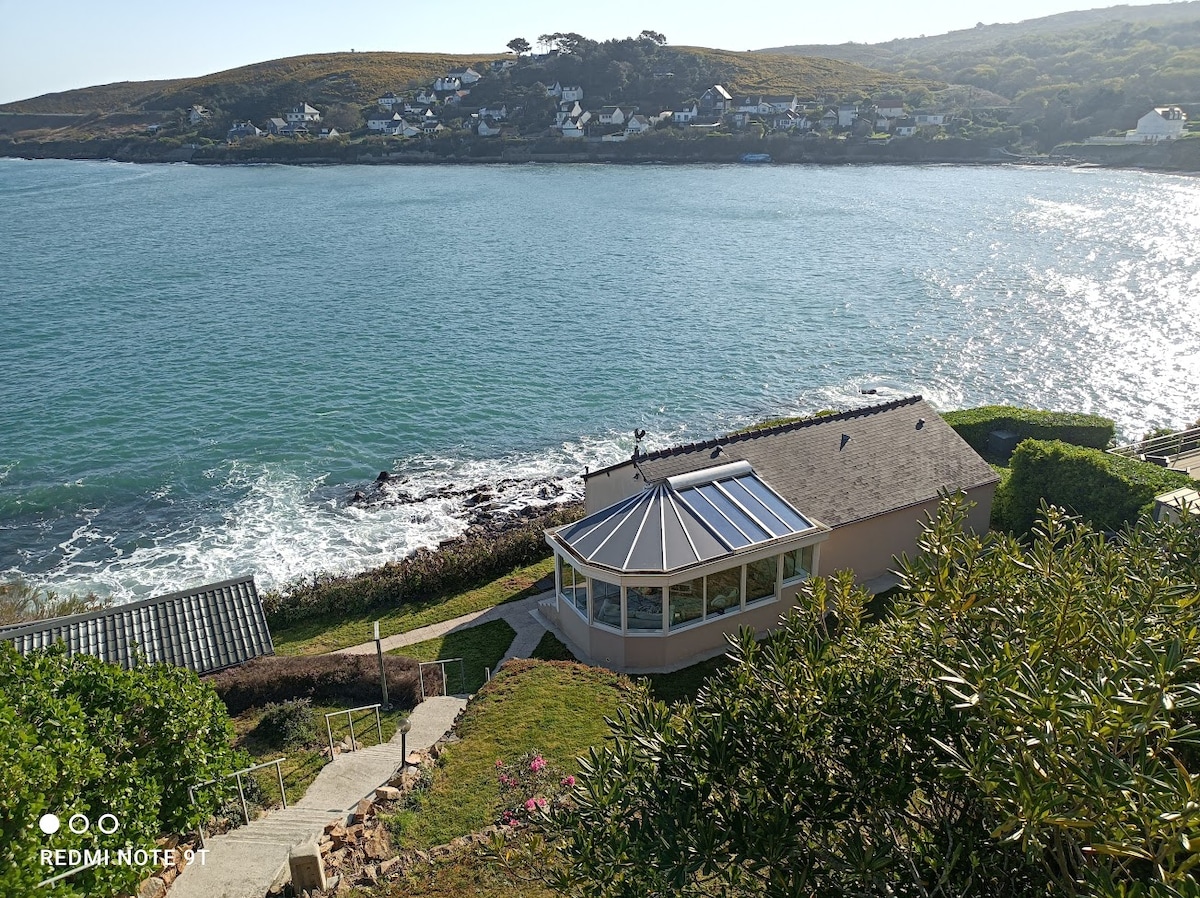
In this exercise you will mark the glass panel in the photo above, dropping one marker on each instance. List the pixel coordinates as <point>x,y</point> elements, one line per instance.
<point>574,585</point>
<point>725,591</point>
<point>765,515</point>
<point>760,579</point>
<point>606,603</point>
<point>687,602</point>
<point>761,492</point>
<point>644,607</point>
<point>797,564</point>
<point>729,508</point>
<point>710,516</point>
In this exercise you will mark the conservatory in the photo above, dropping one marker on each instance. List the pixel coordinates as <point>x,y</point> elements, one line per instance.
<point>661,576</point>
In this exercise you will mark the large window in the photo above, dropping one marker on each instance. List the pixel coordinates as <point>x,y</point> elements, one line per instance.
<point>687,602</point>
<point>760,579</point>
<point>725,591</point>
<point>644,607</point>
<point>606,603</point>
<point>574,585</point>
<point>797,564</point>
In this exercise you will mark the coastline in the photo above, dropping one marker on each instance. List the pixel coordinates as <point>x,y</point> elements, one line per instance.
<point>1181,159</point>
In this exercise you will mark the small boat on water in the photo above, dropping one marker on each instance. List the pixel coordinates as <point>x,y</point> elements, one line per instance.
<point>751,158</point>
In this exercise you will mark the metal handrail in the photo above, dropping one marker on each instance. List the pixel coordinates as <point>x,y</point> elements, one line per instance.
<point>237,774</point>
<point>1155,445</point>
<point>349,716</point>
<point>421,665</point>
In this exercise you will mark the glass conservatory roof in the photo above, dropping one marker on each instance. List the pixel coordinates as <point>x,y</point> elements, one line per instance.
<point>685,520</point>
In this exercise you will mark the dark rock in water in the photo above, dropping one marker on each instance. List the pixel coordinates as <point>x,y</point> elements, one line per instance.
<point>483,495</point>
<point>384,477</point>
<point>359,496</point>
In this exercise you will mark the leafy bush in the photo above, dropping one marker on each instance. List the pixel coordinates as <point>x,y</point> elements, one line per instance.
<point>460,564</point>
<point>81,736</point>
<point>974,425</point>
<point>288,724</point>
<point>349,680</point>
<point>1108,491</point>
<point>1026,723</point>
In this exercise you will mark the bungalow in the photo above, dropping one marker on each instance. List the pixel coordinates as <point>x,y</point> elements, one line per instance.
<point>681,546</point>
<point>431,126</point>
<point>789,121</point>
<point>782,102</point>
<point>465,75</point>
<point>752,106</point>
<point>571,94</point>
<point>686,115</point>
<point>1160,123</point>
<point>294,129</point>
<point>930,118</point>
<point>499,113</point>
<point>613,115</point>
<point>243,129</point>
<point>637,124</point>
<point>303,113</point>
<point>889,107</point>
<point>382,121</point>
<point>425,97</point>
<point>388,100</point>
<point>327,133</point>
<point>715,101</point>
<point>905,127</point>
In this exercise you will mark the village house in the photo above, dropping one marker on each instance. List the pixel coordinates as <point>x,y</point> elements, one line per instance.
<point>500,65</point>
<point>686,115</point>
<point>575,128</point>
<point>687,544</point>
<point>571,94</point>
<point>389,100</point>
<point>715,101</point>
<point>327,133</point>
<point>465,75</point>
<point>425,97</point>
<point>829,120</point>
<point>447,83</point>
<point>499,113</point>
<point>303,113</point>
<point>455,98</point>
<point>782,102</point>
<point>904,127</point>
<point>1160,123</point>
<point>889,108</point>
<point>382,121</point>
<point>930,118</point>
<point>637,124</point>
<point>276,126</point>
<point>613,115</point>
<point>554,90</point>
<point>489,127</point>
<point>198,114</point>
<point>847,115</point>
<point>243,129</point>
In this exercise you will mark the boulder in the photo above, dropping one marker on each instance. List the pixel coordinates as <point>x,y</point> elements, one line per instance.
<point>387,793</point>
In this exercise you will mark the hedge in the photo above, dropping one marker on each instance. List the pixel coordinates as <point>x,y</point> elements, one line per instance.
<point>1108,491</point>
<point>464,563</point>
<point>974,425</point>
<point>349,680</point>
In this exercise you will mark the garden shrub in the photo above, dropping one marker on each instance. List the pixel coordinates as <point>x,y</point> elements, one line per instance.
<point>1108,491</point>
<point>288,724</point>
<point>974,425</point>
<point>463,563</point>
<point>79,735</point>
<point>349,680</point>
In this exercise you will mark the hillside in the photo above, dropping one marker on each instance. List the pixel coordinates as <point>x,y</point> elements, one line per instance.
<point>356,79</point>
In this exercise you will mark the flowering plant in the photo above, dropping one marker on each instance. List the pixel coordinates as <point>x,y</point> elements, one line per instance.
<point>528,787</point>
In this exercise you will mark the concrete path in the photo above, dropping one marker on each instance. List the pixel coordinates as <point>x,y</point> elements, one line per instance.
<point>247,861</point>
<point>519,615</point>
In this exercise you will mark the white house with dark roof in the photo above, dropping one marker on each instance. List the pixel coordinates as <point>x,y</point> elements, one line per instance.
<point>447,82</point>
<point>571,93</point>
<point>690,543</point>
<point>488,127</point>
<point>499,113</point>
<point>637,124</point>
<point>715,101</point>
<point>612,115</point>
<point>466,75</point>
<point>382,121</point>
<point>243,129</point>
<point>686,115</point>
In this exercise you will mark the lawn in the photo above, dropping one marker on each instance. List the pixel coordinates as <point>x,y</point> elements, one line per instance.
<point>479,647</point>
<point>462,875</point>
<point>557,708</point>
<point>316,636</point>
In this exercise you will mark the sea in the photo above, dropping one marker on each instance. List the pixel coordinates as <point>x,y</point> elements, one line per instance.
<point>199,366</point>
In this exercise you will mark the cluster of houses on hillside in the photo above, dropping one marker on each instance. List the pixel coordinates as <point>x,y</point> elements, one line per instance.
<point>302,121</point>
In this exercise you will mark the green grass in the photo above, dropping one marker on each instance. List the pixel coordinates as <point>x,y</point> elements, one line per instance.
<point>557,708</point>
<point>305,762</point>
<point>682,685</point>
<point>464,874</point>
<point>479,647</point>
<point>317,636</point>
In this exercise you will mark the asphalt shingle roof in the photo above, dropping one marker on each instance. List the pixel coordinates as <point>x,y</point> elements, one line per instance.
<point>840,468</point>
<point>205,629</point>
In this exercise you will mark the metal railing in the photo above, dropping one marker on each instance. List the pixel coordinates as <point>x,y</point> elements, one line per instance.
<point>349,712</point>
<point>237,774</point>
<point>1170,444</point>
<point>462,675</point>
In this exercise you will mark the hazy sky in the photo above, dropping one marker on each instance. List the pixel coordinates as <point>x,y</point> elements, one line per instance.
<point>53,45</point>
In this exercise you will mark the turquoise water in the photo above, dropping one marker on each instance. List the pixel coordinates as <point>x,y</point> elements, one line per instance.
<point>200,364</point>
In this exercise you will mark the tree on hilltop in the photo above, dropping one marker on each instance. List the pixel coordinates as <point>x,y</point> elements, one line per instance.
<point>657,36</point>
<point>519,45</point>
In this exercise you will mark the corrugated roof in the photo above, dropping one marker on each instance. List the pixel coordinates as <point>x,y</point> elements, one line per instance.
<point>205,629</point>
<point>683,521</point>
<point>840,468</point>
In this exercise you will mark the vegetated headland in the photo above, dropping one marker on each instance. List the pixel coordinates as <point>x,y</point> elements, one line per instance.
<point>1109,87</point>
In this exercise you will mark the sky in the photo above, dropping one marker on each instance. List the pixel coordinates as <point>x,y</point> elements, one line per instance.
<point>55,45</point>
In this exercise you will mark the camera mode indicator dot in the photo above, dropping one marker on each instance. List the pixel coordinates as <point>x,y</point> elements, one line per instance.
<point>49,824</point>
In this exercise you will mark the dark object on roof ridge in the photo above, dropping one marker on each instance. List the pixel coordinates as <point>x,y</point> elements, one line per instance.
<point>205,629</point>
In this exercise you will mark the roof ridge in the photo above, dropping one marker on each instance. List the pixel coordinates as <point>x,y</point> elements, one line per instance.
<point>810,421</point>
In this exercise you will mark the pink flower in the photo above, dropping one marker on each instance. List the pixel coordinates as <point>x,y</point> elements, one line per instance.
<point>568,781</point>
<point>530,805</point>
<point>537,764</point>
<point>541,802</point>
<point>499,763</point>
